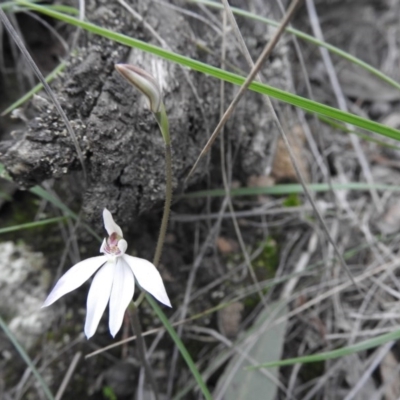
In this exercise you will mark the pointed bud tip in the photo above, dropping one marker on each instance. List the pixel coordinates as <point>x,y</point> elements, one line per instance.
<point>120,68</point>
<point>143,81</point>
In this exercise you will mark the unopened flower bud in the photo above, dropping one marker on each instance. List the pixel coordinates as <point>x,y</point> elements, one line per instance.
<point>144,82</point>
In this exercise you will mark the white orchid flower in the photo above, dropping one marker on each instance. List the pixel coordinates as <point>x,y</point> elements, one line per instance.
<point>113,283</point>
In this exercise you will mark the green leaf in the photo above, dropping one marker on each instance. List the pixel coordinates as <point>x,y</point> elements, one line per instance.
<point>307,38</point>
<point>345,351</point>
<point>31,225</point>
<point>39,191</point>
<point>44,194</point>
<point>27,359</point>
<point>259,343</point>
<point>343,128</point>
<point>108,393</point>
<point>298,101</point>
<point>289,189</point>
<point>34,90</point>
<point>179,344</point>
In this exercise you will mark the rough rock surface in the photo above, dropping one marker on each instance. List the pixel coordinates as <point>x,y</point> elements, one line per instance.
<point>119,139</point>
<point>23,285</point>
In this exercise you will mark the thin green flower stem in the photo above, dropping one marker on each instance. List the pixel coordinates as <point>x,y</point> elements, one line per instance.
<point>167,205</point>
<point>141,346</point>
<point>163,123</point>
<point>27,359</point>
<point>162,120</point>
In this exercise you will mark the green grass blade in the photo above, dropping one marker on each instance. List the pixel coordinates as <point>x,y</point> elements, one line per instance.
<point>27,359</point>
<point>11,4</point>
<point>7,5</point>
<point>39,191</point>
<point>345,351</point>
<point>289,189</point>
<point>64,9</point>
<point>298,101</point>
<point>178,342</point>
<point>44,194</point>
<point>340,126</point>
<point>31,225</point>
<point>34,90</point>
<point>308,38</point>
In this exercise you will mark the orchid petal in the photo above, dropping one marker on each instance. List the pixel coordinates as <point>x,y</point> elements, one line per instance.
<point>121,295</point>
<point>110,225</point>
<point>74,278</point>
<point>103,245</point>
<point>98,297</point>
<point>122,246</point>
<point>148,278</point>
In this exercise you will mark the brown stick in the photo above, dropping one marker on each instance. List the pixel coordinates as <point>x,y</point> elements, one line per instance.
<point>265,54</point>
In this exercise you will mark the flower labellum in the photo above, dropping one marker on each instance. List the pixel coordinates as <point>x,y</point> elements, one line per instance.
<point>114,282</point>
<point>144,82</point>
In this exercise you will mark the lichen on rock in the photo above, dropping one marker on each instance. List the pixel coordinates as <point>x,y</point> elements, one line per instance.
<point>23,286</point>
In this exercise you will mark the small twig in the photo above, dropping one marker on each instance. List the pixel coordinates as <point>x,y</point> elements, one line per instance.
<point>266,52</point>
<point>68,375</point>
<point>25,63</point>
<point>355,141</point>
<point>243,352</point>
<point>380,354</point>
<point>301,265</point>
<point>79,30</point>
<point>26,358</point>
<point>307,192</point>
<point>141,346</point>
<point>224,166</point>
<point>338,288</point>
